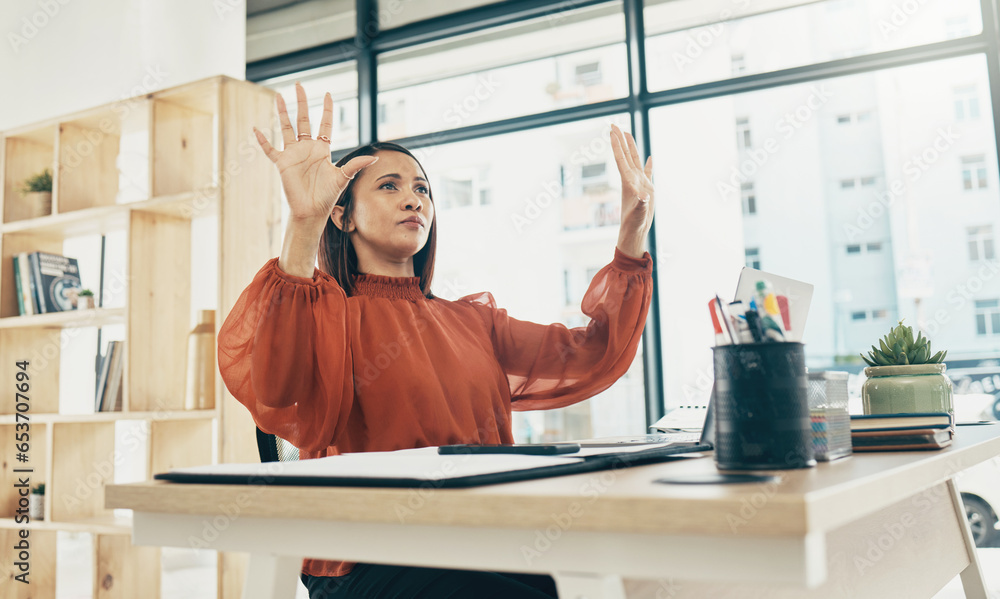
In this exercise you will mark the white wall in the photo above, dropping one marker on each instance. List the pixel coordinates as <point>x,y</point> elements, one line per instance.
<point>60,56</point>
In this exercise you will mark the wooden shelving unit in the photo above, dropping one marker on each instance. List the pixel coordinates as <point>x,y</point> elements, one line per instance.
<point>147,167</point>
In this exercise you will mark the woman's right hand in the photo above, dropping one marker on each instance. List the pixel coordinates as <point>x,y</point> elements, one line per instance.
<point>311,181</point>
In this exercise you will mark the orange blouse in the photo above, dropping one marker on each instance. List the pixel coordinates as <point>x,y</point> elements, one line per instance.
<point>388,368</point>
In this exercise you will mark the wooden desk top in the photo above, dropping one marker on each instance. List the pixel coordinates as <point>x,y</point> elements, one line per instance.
<point>808,500</point>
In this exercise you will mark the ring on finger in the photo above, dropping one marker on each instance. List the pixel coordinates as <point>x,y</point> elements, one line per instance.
<point>302,136</point>
<point>324,138</point>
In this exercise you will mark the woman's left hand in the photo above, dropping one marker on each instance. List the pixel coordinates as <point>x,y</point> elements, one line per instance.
<point>637,193</point>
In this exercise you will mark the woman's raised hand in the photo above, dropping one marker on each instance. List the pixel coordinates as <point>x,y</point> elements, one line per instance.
<point>311,181</point>
<point>637,193</point>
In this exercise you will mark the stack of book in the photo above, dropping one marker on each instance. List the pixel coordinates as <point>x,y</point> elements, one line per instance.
<point>900,432</point>
<point>109,378</point>
<point>44,282</point>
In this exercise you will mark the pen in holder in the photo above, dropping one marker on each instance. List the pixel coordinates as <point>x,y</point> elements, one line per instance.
<point>762,407</point>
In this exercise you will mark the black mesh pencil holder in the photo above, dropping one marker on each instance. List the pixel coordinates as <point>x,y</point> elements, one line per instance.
<point>762,407</point>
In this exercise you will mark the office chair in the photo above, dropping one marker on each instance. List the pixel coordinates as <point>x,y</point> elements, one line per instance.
<point>275,449</point>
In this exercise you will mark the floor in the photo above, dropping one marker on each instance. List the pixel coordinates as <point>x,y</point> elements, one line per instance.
<point>190,574</point>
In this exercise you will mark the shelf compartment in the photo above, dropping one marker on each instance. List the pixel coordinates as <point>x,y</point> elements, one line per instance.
<point>13,245</point>
<point>38,454</point>
<point>41,348</point>
<point>88,151</point>
<point>42,562</point>
<point>86,464</point>
<point>125,570</point>
<point>179,444</point>
<point>160,299</point>
<point>25,154</point>
<point>184,142</point>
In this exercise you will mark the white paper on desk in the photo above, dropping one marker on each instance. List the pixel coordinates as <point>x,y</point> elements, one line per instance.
<point>421,464</point>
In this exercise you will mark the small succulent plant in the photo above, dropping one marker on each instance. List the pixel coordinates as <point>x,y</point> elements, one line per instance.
<point>900,348</point>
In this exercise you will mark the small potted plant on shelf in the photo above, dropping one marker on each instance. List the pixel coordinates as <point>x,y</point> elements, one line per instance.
<point>905,376</point>
<point>37,193</point>
<point>84,299</point>
<point>36,502</point>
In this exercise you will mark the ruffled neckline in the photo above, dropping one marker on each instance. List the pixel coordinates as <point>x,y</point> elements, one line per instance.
<point>405,288</point>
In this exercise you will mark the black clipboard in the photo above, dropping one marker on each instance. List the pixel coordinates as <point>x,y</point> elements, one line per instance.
<point>607,461</point>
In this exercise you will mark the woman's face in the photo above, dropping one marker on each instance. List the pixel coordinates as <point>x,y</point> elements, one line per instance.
<point>393,211</point>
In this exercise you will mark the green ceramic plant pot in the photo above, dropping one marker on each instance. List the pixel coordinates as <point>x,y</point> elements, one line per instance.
<point>907,389</point>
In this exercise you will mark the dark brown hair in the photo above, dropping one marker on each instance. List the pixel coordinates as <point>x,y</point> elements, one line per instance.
<point>336,252</point>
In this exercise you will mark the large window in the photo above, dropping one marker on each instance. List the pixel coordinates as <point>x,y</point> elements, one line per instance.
<point>864,127</point>
<point>903,224</point>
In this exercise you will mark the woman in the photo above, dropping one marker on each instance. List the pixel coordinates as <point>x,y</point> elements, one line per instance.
<point>358,355</point>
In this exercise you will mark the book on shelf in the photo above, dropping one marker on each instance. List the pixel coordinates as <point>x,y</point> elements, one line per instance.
<point>915,420</point>
<point>45,282</point>
<point>901,439</point>
<point>27,299</point>
<point>55,277</point>
<point>109,378</point>
<point>18,286</point>
<point>104,363</point>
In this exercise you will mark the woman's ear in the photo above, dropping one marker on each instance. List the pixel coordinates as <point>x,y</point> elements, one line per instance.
<point>337,216</point>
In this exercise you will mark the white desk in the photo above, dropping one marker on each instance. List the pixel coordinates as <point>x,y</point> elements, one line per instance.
<point>873,525</point>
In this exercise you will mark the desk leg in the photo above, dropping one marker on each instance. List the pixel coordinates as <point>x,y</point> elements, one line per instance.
<point>272,576</point>
<point>575,585</point>
<point>972,575</point>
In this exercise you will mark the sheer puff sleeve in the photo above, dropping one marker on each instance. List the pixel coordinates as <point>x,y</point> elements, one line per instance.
<point>284,354</point>
<point>551,366</point>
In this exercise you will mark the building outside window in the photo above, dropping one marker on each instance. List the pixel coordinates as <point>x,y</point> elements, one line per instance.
<point>743,133</point>
<point>988,317</point>
<point>455,193</point>
<point>739,64</point>
<point>973,172</point>
<point>981,243</point>
<point>749,197</point>
<point>588,73</point>
<point>753,258</point>
<point>966,103</point>
<point>594,177</point>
